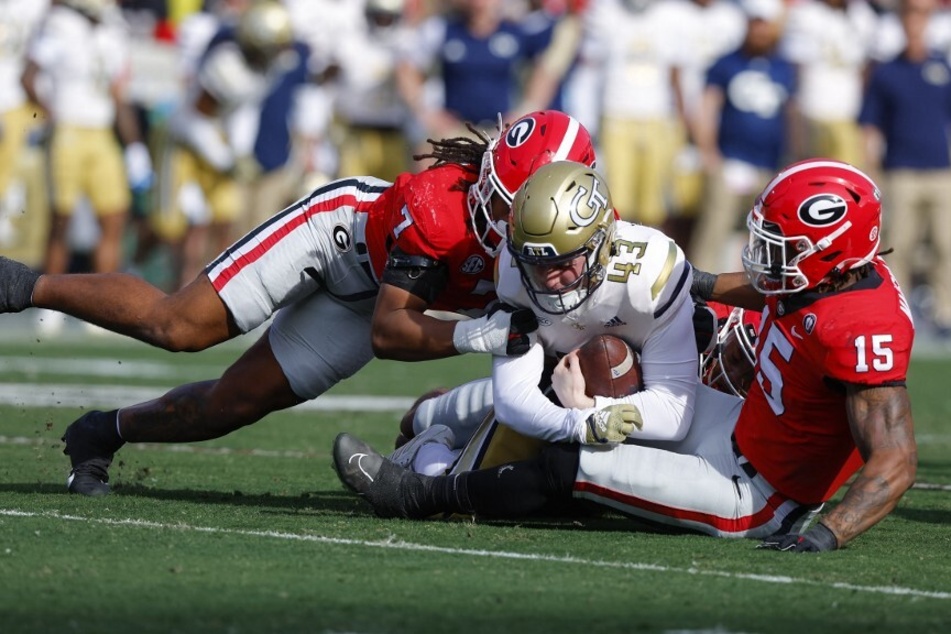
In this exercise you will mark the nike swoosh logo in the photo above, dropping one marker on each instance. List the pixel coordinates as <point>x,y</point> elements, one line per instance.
<point>360,457</point>
<point>795,334</point>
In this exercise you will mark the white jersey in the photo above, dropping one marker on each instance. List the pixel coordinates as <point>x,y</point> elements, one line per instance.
<point>238,89</point>
<point>637,50</point>
<point>82,61</point>
<point>645,300</point>
<point>227,76</point>
<point>325,26</point>
<point>366,89</point>
<point>194,34</point>
<point>18,18</point>
<point>831,46</point>
<point>713,30</point>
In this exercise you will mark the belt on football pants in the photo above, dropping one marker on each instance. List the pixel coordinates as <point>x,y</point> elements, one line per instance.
<point>741,460</point>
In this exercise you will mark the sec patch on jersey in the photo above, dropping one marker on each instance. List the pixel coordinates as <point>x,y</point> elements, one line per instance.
<point>610,367</point>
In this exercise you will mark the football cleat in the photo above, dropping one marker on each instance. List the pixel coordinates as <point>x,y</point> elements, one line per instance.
<point>381,482</point>
<point>89,453</point>
<point>356,463</point>
<point>405,455</point>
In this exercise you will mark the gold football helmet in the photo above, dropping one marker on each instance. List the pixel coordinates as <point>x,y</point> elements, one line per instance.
<point>264,30</point>
<point>561,233</point>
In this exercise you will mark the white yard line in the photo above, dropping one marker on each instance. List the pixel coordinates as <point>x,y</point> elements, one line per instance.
<point>118,368</point>
<point>51,395</point>
<point>465,552</point>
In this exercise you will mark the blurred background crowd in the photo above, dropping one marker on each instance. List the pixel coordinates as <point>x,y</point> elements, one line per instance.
<point>147,135</point>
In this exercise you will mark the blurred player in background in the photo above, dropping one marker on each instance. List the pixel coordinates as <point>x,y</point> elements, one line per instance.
<point>77,73</point>
<point>213,132</point>
<point>19,19</point>
<point>829,395</point>
<point>465,66</point>
<point>372,116</point>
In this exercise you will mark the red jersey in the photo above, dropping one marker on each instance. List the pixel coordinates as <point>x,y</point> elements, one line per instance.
<point>794,427</point>
<point>722,311</point>
<point>426,214</point>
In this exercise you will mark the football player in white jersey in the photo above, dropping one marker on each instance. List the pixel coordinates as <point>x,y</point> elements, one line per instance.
<point>457,430</point>
<point>584,273</point>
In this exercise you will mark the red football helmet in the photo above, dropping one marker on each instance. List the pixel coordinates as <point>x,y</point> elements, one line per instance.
<point>816,218</point>
<point>534,140</point>
<point>729,368</point>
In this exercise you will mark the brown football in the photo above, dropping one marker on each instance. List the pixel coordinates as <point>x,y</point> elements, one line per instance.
<point>610,367</point>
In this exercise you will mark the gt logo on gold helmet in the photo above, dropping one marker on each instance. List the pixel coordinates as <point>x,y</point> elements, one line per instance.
<point>562,217</point>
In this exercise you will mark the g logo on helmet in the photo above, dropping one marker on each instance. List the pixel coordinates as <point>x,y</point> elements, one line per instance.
<point>822,210</point>
<point>520,132</point>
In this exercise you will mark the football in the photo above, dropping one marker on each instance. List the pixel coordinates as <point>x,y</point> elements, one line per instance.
<point>610,367</point>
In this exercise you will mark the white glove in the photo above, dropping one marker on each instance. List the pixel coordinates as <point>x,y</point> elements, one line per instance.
<point>138,166</point>
<point>611,425</point>
<point>505,331</point>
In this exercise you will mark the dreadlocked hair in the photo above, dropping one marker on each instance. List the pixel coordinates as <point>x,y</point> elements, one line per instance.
<point>464,151</point>
<point>837,279</point>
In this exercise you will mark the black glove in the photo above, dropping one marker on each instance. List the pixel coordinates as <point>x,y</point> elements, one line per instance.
<point>705,327</point>
<point>522,329</point>
<point>16,285</point>
<point>817,539</point>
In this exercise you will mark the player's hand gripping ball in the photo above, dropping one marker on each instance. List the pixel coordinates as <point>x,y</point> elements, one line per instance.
<point>610,367</point>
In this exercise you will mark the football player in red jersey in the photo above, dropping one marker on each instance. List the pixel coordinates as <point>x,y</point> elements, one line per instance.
<point>347,271</point>
<point>828,399</point>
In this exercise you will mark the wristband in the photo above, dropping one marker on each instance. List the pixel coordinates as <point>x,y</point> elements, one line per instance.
<point>702,285</point>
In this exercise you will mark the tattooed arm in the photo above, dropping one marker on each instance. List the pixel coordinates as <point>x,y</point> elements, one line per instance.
<point>881,422</point>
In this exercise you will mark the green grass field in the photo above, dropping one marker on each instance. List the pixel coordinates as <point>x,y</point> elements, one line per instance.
<point>253,532</point>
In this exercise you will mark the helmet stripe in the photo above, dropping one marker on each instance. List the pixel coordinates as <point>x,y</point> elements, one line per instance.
<point>568,140</point>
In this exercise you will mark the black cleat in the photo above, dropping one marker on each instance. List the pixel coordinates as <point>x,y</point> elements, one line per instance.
<point>90,452</point>
<point>387,487</point>
<point>356,463</point>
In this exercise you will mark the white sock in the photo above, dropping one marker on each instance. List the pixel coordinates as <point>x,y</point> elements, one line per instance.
<point>434,459</point>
